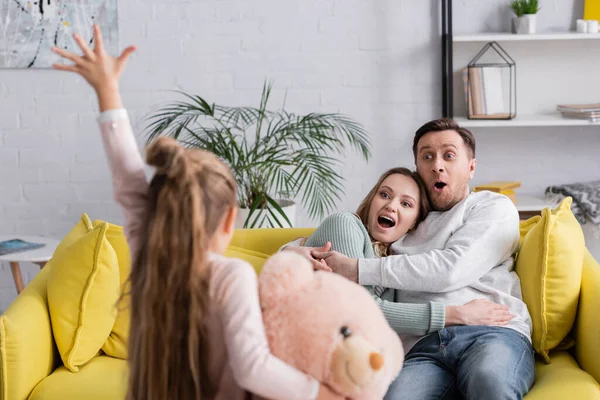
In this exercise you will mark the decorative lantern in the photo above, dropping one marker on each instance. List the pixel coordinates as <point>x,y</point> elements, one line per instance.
<point>491,85</point>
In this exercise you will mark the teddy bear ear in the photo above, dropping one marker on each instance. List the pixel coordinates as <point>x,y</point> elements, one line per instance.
<point>283,275</point>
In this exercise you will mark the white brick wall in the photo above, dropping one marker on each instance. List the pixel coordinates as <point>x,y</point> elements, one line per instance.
<point>375,60</point>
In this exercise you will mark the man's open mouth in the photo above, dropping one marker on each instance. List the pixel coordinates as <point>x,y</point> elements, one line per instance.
<point>439,185</point>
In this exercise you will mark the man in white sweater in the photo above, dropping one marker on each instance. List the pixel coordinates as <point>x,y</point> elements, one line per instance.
<point>461,252</point>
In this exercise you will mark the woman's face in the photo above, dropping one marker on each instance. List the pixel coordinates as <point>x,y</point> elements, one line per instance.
<point>394,209</point>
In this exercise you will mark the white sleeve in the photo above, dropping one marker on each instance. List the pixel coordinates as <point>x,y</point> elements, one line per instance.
<point>488,237</point>
<point>118,114</point>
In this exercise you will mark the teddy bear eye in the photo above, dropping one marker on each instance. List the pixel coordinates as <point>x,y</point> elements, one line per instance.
<point>346,332</point>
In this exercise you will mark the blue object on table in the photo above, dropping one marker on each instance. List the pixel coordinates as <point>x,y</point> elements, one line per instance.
<point>17,245</point>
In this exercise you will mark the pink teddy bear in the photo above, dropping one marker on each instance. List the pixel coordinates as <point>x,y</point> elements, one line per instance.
<point>328,327</point>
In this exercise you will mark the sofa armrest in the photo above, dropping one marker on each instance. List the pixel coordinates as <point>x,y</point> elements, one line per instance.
<point>588,319</point>
<point>27,350</point>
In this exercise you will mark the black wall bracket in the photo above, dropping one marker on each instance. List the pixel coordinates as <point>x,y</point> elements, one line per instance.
<point>447,62</point>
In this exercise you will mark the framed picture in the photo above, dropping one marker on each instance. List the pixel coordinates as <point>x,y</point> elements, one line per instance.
<point>30,28</point>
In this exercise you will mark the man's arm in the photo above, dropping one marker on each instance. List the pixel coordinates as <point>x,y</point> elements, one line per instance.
<point>489,236</point>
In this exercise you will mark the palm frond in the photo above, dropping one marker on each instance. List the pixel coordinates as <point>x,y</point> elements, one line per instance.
<point>269,152</point>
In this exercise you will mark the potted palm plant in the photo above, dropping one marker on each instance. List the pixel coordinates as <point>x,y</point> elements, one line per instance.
<point>526,15</point>
<point>275,156</point>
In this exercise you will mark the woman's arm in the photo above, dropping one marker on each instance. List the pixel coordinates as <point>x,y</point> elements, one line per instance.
<point>348,236</point>
<point>413,319</point>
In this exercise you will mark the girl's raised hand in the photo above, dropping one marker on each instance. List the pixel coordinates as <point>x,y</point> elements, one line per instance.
<point>99,69</point>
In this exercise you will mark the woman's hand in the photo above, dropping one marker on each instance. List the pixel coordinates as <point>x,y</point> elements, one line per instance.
<point>339,263</point>
<point>99,69</point>
<point>478,312</point>
<point>306,252</point>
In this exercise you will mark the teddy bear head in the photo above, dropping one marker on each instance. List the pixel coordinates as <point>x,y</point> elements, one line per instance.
<point>328,327</point>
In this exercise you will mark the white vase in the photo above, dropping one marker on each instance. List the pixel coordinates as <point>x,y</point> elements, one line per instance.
<point>288,207</point>
<point>525,25</point>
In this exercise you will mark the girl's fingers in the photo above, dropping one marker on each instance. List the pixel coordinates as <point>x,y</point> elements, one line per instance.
<point>84,47</point>
<point>62,67</point>
<point>99,48</point>
<point>126,53</point>
<point>68,55</point>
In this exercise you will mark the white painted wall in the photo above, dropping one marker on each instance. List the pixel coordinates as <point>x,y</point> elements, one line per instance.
<point>375,60</point>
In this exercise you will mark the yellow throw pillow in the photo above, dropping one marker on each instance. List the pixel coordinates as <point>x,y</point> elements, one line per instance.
<point>83,287</point>
<point>550,264</point>
<point>525,227</point>
<point>255,258</point>
<point>116,344</point>
<point>81,228</point>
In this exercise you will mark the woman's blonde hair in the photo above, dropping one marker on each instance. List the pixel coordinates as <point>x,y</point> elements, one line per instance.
<point>189,196</point>
<point>362,211</point>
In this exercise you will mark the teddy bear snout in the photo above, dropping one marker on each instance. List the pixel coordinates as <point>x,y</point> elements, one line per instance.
<point>376,361</point>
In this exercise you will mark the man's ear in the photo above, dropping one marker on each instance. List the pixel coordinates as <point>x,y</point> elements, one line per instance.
<point>472,165</point>
<point>229,223</point>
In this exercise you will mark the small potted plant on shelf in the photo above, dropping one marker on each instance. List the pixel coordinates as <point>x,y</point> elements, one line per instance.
<point>274,155</point>
<point>526,13</point>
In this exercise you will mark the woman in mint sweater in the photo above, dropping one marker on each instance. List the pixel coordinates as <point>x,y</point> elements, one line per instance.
<point>393,207</point>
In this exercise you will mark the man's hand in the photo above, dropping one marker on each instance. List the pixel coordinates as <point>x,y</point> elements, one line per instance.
<point>339,263</point>
<point>306,252</point>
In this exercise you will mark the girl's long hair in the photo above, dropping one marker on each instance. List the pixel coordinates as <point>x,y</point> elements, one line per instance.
<point>381,249</point>
<point>189,196</point>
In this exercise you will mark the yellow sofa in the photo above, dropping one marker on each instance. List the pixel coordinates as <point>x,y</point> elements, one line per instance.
<point>30,367</point>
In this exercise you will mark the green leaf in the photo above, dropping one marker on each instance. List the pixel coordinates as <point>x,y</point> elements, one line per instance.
<point>277,208</point>
<point>270,152</point>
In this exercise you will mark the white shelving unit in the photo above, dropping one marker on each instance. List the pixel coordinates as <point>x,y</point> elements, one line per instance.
<point>548,117</point>
<point>511,37</point>
<point>549,72</point>
<point>524,121</point>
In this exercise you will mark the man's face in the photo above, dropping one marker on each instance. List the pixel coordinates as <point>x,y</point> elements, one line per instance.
<point>446,165</point>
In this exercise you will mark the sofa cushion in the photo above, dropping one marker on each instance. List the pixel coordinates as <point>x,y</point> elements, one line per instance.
<point>116,344</point>
<point>267,240</point>
<point>102,378</point>
<point>255,258</point>
<point>27,351</point>
<point>587,326</point>
<point>563,379</point>
<point>83,226</point>
<point>550,264</point>
<point>83,289</point>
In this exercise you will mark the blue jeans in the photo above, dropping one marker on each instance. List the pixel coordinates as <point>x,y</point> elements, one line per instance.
<point>470,362</point>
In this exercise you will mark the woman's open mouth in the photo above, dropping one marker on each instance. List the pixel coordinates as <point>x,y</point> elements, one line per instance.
<point>386,222</point>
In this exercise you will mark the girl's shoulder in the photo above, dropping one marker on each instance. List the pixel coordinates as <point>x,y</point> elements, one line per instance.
<point>225,268</point>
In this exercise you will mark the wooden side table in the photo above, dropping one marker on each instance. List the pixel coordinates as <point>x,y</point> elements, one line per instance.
<point>37,256</point>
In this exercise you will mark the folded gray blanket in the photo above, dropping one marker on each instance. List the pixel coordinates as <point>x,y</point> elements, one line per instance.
<point>586,199</point>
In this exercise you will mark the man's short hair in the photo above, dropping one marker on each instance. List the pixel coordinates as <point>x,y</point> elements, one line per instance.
<point>444,124</point>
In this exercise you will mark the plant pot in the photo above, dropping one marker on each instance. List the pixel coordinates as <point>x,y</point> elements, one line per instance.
<point>288,207</point>
<point>525,25</point>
